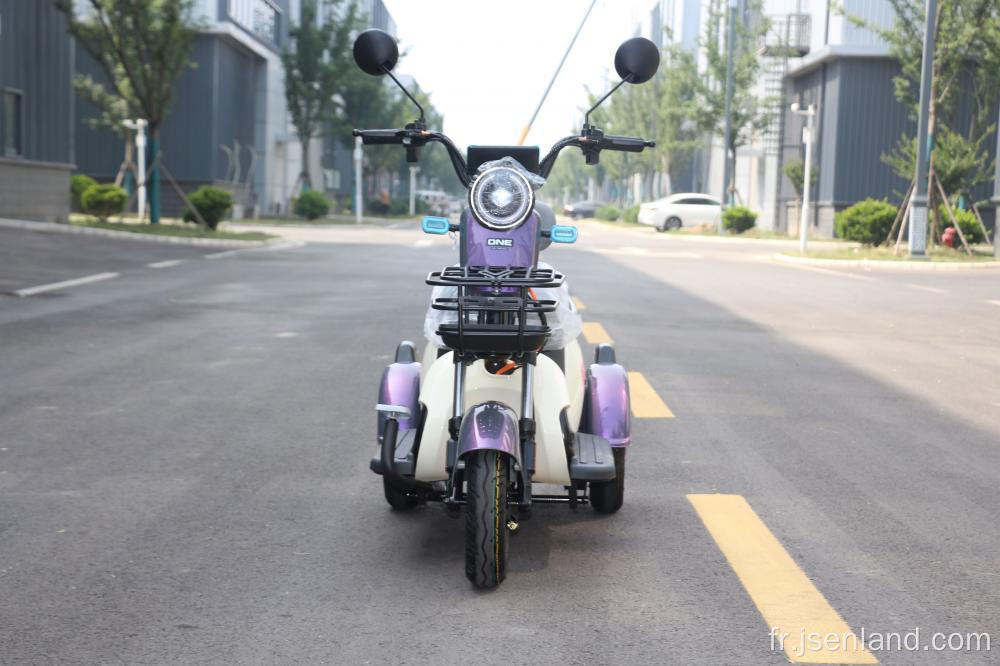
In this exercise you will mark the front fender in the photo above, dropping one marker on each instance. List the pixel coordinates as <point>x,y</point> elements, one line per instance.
<point>490,425</point>
<point>607,411</point>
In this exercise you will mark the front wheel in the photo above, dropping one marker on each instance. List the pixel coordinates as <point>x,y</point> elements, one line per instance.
<point>486,532</point>
<point>608,496</point>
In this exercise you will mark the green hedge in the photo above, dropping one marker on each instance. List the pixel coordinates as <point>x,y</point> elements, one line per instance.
<point>311,204</point>
<point>103,200</point>
<point>609,213</point>
<point>967,222</point>
<point>738,219</point>
<point>213,203</point>
<point>867,221</point>
<point>631,215</point>
<point>78,184</point>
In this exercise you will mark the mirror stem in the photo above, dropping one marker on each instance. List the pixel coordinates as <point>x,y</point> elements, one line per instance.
<point>423,123</point>
<point>586,117</point>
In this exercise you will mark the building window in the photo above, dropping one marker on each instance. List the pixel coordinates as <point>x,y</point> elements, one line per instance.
<point>260,17</point>
<point>12,124</point>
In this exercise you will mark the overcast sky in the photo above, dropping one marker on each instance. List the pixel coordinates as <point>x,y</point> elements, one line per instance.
<point>486,63</point>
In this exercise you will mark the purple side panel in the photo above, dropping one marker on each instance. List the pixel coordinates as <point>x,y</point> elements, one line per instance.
<point>490,425</point>
<point>401,386</point>
<point>522,251</point>
<point>610,414</point>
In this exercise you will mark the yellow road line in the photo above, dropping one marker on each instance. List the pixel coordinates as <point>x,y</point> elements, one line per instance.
<point>646,403</point>
<point>578,303</point>
<point>595,333</point>
<point>799,618</point>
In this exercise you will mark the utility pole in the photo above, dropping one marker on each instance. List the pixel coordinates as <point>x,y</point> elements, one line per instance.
<point>918,206</point>
<point>808,137</point>
<point>734,6</point>
<point>359,157</point>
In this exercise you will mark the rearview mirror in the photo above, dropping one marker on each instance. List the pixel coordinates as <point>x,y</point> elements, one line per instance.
<point>636,60</point>
<point>376,52</point>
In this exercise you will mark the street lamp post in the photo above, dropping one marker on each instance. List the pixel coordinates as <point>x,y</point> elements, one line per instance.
<point>808,138</point>
<point>359,156</point>
<point>728,131</point>
<point>918,206</point>
<point>139,127</point>
<point>413,188</point>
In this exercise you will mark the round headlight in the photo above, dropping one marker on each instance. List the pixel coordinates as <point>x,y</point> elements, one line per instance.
<point>501,198</point>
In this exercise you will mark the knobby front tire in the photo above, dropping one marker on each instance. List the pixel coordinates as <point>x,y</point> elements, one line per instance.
<point>486,533</point>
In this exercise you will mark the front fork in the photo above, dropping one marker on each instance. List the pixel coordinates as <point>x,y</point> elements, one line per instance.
<point>526,426</point>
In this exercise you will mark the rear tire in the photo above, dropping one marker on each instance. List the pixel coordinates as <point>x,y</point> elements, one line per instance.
<point>608,496</point>
<point>486,533</point>
<point>397,499</point>
<point>671,223</point>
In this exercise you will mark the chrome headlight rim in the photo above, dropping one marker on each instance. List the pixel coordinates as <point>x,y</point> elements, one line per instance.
<point>523,212</point>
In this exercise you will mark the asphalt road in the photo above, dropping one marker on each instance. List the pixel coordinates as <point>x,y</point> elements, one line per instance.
<point>183,459</point>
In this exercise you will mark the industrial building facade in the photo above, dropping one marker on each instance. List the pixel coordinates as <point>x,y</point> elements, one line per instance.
<point>36,112</point>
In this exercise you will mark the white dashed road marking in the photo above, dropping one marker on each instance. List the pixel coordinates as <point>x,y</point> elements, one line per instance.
<point>31,291</point>
<point>165,264</point>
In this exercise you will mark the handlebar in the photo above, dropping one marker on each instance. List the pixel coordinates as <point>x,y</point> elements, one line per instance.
<point>591,141</point>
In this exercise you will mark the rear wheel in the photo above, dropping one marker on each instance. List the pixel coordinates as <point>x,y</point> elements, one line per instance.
<point>671,223</point>
<point>486,533</point>
<point>397,499</point>
<point>608,496</point>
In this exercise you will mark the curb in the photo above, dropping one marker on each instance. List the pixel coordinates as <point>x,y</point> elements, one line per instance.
<point>884,265</point>
<point>52,227</point>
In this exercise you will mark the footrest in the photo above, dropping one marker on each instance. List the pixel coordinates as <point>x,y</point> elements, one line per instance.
<point>404,455</point>
<point>592,459</point>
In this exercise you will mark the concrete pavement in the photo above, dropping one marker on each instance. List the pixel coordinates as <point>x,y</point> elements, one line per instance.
<point>183,461</point>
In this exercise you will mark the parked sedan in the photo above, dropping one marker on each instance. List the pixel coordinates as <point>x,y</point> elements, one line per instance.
<point>680,210</point>
<point>582,209</point>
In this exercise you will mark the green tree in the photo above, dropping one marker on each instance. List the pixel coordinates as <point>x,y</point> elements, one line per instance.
<point>965,89</point>
<point>749,112</point>
<point>142,46</point>
<point>316,67</point>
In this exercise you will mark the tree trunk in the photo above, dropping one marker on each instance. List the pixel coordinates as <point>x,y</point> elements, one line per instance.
<point>306,181</point>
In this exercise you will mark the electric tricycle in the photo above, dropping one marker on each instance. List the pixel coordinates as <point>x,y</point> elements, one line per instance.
<point>501,400</point>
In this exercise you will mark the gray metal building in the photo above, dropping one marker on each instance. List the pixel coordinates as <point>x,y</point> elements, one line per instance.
<point>228,124</point>
<point>860,120</point>
<point>36,111</point>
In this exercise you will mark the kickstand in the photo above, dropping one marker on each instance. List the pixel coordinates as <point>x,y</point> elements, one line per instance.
<point>572,494</point>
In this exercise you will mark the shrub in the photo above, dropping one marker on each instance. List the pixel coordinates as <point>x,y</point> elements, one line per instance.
<point>212,203</point>
<point>78,184</point>
<point>631,215</point>
<point>609,213</point>
<point>867,221</point>
<point>377,207</point>
<point>311,204</point>
<point>796,175</point>
<point>967,222</point>
<point>738,219</point>
<point>103,200</point>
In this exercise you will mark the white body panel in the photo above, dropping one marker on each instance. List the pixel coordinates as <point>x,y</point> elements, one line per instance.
<point>553,391</point>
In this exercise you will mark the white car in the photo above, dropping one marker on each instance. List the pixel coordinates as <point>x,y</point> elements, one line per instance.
<point>681,210</point>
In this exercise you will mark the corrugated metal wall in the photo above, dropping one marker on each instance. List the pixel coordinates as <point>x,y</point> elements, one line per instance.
<point>213,104</point>
<point>36,60</point>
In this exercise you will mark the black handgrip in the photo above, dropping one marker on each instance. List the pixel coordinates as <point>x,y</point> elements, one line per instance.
<point>381,137</point>
<point>628,144</point>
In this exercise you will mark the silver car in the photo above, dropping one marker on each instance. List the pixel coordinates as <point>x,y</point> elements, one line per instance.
<point>687,209</point>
